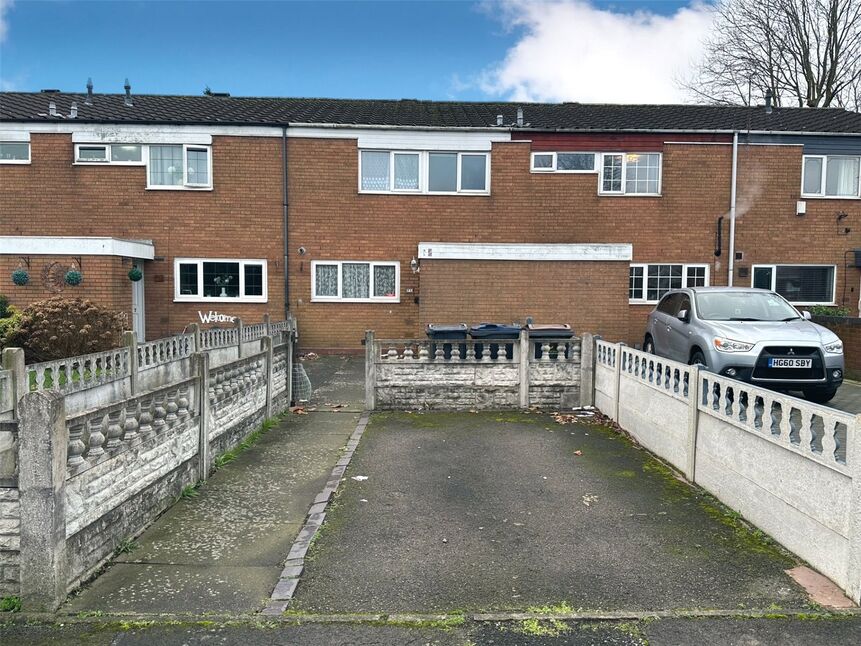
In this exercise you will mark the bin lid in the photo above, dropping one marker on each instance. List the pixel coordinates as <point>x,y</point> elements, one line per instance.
<point>551,326</point>
<point>560,330</point>
<point>446,327</point>
<point>489,329</point>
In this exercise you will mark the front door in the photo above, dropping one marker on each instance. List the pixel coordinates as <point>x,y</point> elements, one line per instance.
<point>138,317</point>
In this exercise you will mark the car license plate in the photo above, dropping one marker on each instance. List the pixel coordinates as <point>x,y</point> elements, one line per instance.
<point>789,362</point>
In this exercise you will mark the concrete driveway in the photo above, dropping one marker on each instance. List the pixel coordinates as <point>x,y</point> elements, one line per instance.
<point>510,511</point>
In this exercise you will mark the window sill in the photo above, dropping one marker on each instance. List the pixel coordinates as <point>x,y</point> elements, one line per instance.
<point>14,162</point>
<point>633,302</point>
<point>193,189</point>
<point>107,163</point>
<point>535,171</point>
<point>425,194</point>
<point>317,299</point>
<point>218,299</point>
<point>829,197</point>
<point>630,194</point>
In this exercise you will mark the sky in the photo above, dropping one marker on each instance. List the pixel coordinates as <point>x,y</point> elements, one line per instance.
<point>625,51</point>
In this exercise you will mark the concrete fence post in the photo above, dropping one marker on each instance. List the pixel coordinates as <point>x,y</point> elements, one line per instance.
<point>693,421</point>
<point>370,371</point>
<point>266,343</point>
<point>194,329</point>
<point>267,324</point>
<point>201,363</point>
<point>13,359</point>
<point>853,586</point>
<point>43,442</point>
<point>618,381</point>
<point>130,340</point>
<point>239,327</point>
<point>587,370</point>
<point>523,358</point>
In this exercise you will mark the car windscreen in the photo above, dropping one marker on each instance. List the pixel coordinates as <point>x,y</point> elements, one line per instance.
<point>744,306</point>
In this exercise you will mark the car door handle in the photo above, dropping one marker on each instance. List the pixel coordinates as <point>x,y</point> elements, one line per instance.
<point>669,329</point>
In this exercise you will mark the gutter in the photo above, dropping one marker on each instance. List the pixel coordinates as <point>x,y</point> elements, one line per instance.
<point>732,205</point>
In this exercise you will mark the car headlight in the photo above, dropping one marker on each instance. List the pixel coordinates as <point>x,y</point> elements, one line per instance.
<point>835,347</point>
<point>728,345</point>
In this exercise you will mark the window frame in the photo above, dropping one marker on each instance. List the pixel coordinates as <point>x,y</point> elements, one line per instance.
<point>822,195</point>
<point>622,191</point>
<point>19,161</point>
<point>774,266</point>
<point>555,157</point>
<point>424,172</point>
<point>371,298</point>
<point>199,298</point>
<point>186,185</point>
<point>644,288</point>
<point>108,160</point>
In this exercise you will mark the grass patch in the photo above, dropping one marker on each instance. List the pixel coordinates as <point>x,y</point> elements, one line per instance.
<point>443,623</point>
<point>10,604</point>
<point>191,491</point>
<point>542,627</point>
<point>126,546</point>
<point>250,440</point>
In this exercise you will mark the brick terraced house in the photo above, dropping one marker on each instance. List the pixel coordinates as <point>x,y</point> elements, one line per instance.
<point>388,215</point>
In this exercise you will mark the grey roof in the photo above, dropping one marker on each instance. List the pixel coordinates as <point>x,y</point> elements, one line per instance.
<point>211,110</point>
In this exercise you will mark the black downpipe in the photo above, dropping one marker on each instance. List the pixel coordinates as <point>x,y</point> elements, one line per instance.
<point>719,237</point>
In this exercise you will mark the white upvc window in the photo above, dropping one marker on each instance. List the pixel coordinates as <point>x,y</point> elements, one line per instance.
<point>563,162</point>
<point>220,280</point>
<point>179,166</point>
<point>835,176</point>
<point>355,281</point>
<point>799,284</point>
<point>14,152</point>
<point>424,172</point>
<point>116,154</point>
<point>630,174</point>
<point>648,283</point>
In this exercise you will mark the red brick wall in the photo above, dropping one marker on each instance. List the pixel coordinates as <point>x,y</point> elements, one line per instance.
<point>105,281</point>
<point>589,296</point>
<point>240,218</point>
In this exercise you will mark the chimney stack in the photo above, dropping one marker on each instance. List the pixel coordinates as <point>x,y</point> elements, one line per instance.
<point>519,117</point>
<point>128,99</point>
<point>89,99</point>
<point>768,98</point>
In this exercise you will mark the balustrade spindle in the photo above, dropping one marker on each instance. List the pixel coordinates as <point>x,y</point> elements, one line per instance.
<point>159,414</point>
<point>182,402</point>
<point>146,430</point>
<point>423,353</point>
<point>130,427</point>
<point>76,445</point>
<point>171,409</point>
<point>97,437</point>
<point>545,351</point>
<point>115,430</point>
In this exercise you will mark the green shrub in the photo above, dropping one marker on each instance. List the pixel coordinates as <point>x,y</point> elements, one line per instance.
<point>828,310</point>
<point>5,307</point>
<point>57,328</point>
<point>9,325</point>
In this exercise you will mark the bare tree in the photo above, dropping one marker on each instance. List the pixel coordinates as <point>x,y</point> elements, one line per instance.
<point>807,52</point>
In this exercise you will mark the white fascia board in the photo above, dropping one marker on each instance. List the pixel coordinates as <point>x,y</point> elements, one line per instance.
<point>138,133</point>
<point>75,246</point>
<point>406,139</point>
<point>14,135</point>
<point>515,251</point>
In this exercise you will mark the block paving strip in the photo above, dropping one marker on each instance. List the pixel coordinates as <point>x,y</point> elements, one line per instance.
<point>295,562</point>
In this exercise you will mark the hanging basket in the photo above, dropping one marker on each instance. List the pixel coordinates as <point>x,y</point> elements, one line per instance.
<point>135,274</point>
<point>20,277</point>
<point>74,277</point>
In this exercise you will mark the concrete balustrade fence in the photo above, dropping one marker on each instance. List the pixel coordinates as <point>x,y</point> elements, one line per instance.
<point>94,448</point>
<point>790,467</point>
<point>474,374</point>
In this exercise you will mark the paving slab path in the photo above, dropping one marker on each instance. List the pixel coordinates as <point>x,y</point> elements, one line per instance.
<point>500,511</point>
<point>223,550</point>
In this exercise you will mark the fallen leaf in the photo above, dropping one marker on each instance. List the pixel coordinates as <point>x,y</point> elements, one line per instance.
<point>360,478</point>
<point>578,452</point>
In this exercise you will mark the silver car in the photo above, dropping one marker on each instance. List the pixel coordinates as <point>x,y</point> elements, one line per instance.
<point>749,334</point>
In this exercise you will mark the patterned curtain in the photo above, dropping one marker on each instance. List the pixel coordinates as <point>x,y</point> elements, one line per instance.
<point>326,280</point>
<point>375,171</point>
<point>384,280</point>
<point>355,280</point>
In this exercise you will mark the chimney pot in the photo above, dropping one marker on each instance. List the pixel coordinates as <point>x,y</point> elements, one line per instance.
<point>89,99</point>
<point>128,88</point>
<point>768,98</point>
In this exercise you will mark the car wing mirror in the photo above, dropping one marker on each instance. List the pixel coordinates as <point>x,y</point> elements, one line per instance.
<point>683,316</point>
<point>806,315</point>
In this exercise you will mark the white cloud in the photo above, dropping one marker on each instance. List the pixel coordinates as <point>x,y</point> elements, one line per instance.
<point>572,51</point>
<point>5,6</point>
